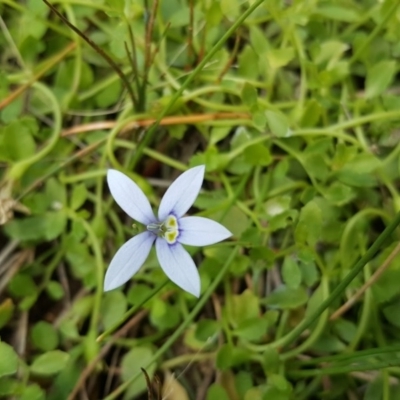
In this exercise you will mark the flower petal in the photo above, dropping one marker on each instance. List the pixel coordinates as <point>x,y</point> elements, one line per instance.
<point>130,197</point>
<point>178,266</point>
<point>182,193</point>
<point>128,259</point>
<point>198,231</point>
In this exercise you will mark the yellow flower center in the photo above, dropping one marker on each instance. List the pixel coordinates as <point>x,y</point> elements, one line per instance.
<point>170,231</point>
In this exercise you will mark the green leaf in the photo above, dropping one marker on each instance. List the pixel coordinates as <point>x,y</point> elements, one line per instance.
<point>259,119</point>
<point>240,265</point>
<point>248,63</point>
<point>355,179</point>
<point>309,272</point>
<point>379,77</point>
<point>55,290</point>
<point>56,193</point>
<point>244,306</point>
<point>81,308</point>
<point>137,293</point>
<point>216,392</point>
<point>391,313</point>
<point>50,363</point>
<point>47,226</point>
<point>363,163</point>
<point>270,360</point>
<point>213,160</point>
<point>345,329</point>
<point>282,220</point>
<point>330,51</point>
<point>10,387</point>
<point>229,356</point>
<point>315,300</point>
<point>218,133</point>
<point>113,308</point>
<point>108,96</point>
<point>163,315</point>
<point>117,6</point>
<point>11,112</point>
<point>278,388</point>
<point>233,219</point>
<point>44,336</point>
<point>32,392</point>
<point>287,298</point>
<point>262,253</point>
<point>278,58</point>
<point>387,287</point>
<point>243,383</point>
<point>308,229</point>
<point>69,330</point>
<point>327,344</point>
<point>79,258</point>
<point>259,41</point>
<point>55,222</point>
<point>311,113</point>
<point>249,95</point>
<point>338,12</point>
<point>6,311</point>
<point>252,329</point>
<point>339,194</point>
<point>213,14</point>
<point>22,285</point>
<point>8,360</point>
<point>374,389</point>
<point>206,328</point>
<point>291,272</point>
<point>16,140</point>
<point>278,123</point>
<point>257,154</point>
<point>131,363</point>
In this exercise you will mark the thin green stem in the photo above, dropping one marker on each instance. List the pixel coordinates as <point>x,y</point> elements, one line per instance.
<point>19,168</point>
<point>99,274</point>
<point>345,369</point>
<point>349,357</point>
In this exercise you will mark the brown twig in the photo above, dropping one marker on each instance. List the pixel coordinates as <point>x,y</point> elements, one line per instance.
<point>171,120</point>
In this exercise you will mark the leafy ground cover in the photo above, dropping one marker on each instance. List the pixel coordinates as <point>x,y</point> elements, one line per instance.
<point>293,107</point>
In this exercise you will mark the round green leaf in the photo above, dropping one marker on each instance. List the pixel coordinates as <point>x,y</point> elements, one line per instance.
<point>44,336</point>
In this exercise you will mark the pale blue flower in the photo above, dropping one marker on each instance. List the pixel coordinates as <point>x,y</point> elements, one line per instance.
<point>169,231</point>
